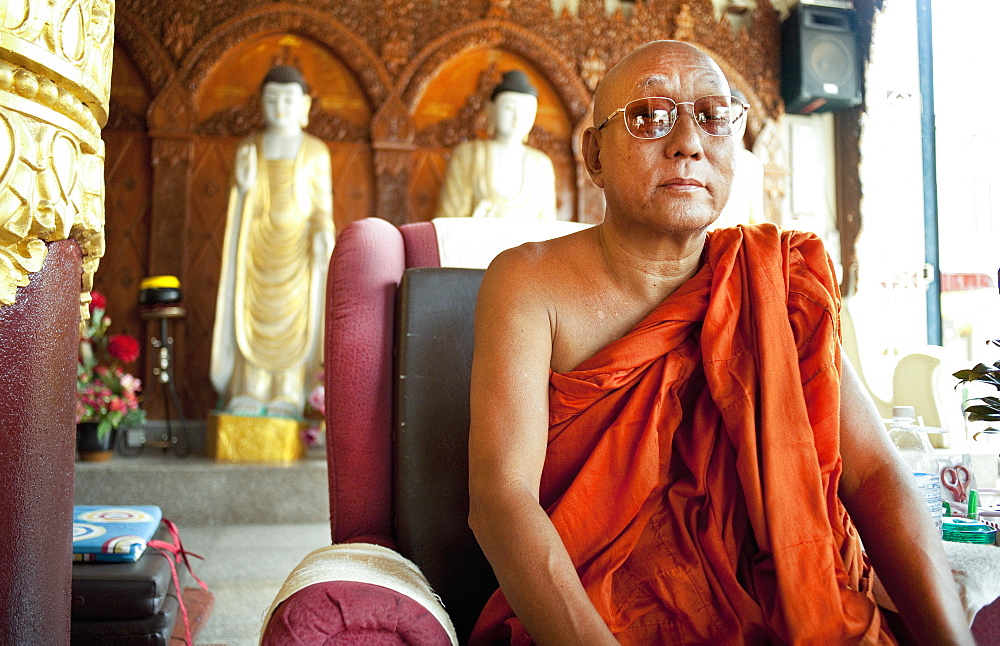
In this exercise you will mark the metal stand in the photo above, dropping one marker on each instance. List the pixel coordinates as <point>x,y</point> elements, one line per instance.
<point>163,371</point>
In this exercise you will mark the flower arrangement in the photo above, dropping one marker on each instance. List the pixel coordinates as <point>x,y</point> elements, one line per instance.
<point>105,393</point>
<point>988,408</point>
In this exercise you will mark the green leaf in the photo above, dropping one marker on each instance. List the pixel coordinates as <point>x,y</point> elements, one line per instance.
<point>982,373</point>
<point>982,414</point>
<point>104,427</point>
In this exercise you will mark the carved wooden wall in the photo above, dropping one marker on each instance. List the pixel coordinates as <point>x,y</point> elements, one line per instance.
<point>395,86</point>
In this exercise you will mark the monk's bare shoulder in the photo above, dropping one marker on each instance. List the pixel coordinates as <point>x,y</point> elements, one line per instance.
<point>544,274</point>
<point>548,262</point>
<point>539,297</point>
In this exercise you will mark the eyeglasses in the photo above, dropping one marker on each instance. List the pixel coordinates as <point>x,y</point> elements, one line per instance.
<point>652,117</point>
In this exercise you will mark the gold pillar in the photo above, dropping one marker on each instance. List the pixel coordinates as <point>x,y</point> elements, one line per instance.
<point>55,83</point>
<point>55,76</point>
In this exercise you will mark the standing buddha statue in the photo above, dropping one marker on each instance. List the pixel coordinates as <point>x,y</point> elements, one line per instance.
<point>279,236</point>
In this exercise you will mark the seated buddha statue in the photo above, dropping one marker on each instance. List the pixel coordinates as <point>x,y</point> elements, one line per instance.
<point>502,176</point>
<point>266,340</point>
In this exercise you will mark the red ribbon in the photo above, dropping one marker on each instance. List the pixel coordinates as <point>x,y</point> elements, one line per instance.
<point>176,549</point>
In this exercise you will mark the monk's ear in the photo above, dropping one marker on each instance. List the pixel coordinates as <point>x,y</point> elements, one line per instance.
<point>592,155</point>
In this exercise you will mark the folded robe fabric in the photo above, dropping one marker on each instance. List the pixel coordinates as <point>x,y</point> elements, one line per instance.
<point>692,465</point>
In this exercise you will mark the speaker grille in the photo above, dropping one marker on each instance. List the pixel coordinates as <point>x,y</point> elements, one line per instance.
<point>830,62</point>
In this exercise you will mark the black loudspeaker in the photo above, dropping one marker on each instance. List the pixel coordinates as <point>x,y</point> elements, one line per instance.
<point>820,66</point>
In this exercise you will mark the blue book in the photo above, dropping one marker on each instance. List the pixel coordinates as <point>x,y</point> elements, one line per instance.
<point>113,534</point>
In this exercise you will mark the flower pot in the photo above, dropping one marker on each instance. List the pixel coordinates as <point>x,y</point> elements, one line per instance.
<point>91,447</point>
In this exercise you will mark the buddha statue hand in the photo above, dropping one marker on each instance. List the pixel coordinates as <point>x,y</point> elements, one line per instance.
<point>245,170</point>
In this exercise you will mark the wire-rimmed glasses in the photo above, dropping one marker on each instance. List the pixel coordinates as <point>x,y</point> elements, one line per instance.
<point>652,117</point>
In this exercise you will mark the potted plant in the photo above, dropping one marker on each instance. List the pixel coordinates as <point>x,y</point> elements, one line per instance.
<point>107,397</point>
<point>988,408</point>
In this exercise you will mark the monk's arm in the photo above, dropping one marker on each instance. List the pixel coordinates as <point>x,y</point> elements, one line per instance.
<point>507,442</point>
<point>882,498</point>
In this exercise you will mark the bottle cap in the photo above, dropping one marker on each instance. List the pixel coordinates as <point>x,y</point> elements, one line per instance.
<point>903,411</point>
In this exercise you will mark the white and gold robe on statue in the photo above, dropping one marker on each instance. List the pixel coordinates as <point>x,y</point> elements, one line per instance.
<point>474,187</point>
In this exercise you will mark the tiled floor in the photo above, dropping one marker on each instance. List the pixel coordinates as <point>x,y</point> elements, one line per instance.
<point>244,568</point>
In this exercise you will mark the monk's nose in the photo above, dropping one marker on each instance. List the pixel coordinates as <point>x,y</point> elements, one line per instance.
<point>684,139</point>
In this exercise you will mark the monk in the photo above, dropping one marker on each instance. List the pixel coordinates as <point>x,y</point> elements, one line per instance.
<point>667,445</point>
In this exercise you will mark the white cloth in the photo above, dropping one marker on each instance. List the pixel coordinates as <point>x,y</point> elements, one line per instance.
<point>364,563</point>
<point>475,242</point>
<point>976,569</point>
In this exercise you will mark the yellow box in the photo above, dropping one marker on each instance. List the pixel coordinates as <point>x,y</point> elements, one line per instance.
<point>235,438</point>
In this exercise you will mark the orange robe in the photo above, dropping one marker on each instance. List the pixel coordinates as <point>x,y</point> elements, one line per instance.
<point>692,465</point>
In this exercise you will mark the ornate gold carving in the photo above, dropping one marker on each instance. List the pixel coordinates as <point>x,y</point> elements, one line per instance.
<point>684,24</point>
<point>392,123</point>
<point>55,78</point>
<point>392,142</point>
<point>37,88</point>
<point>592,69</point>
<point>67,41</point>
<point>178,35</point>
<point>51,188</point>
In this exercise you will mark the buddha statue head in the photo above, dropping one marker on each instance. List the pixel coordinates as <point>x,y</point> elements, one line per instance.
<point>285,99</point>
<point>512,109</point>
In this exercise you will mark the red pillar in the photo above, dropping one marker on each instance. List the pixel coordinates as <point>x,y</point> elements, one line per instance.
<point>38,349</point>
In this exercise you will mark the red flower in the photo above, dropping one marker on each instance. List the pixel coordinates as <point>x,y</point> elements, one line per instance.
<point>123,347</point>
<point>97,301</point>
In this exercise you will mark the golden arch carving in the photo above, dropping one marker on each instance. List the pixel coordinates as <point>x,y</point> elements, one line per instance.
<point>559,70</point>
<point>286,18</point>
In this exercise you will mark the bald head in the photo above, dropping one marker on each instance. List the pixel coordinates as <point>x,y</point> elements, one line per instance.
<point>648,65</point>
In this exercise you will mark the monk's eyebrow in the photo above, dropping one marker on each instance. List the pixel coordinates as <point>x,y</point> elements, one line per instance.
<point>657,81</point>
<point>660,83</point>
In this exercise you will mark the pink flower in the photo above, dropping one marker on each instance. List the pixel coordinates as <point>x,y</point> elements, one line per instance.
<point>131,384</point>
<point>123,347</point>
<point>310,436</point>
<point>317,398</point>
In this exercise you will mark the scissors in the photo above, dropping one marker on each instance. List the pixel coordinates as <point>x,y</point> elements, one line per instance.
<point>956,480</point>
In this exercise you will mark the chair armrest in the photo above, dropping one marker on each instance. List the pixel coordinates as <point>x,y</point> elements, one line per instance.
<point>354,590</point>
<point>365,270</point>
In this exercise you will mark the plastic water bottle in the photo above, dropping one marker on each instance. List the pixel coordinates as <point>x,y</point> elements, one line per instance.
<point>913,445</point>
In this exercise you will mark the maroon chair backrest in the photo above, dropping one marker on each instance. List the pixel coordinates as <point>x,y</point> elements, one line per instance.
<point>365,269</point>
